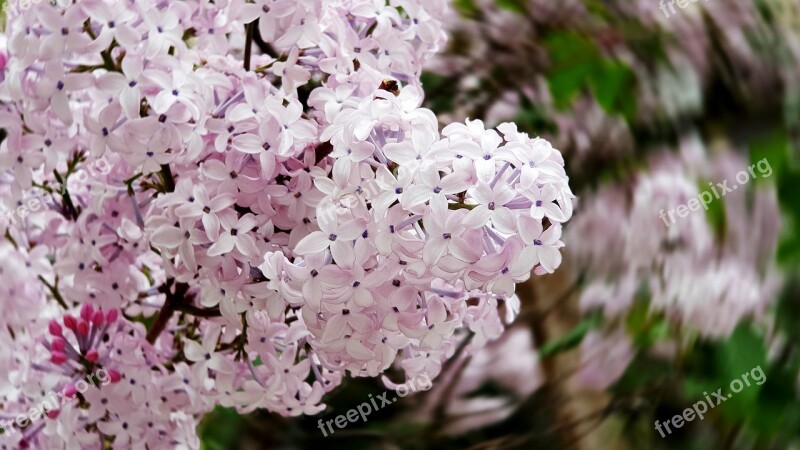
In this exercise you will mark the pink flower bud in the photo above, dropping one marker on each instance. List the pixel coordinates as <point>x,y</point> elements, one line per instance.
<point>83,328</point>
<point>92,355</point>
<point>98,318</point>
<point>70,322</point>
<point>58,358</point>
<point>55,328</point>
<point>114,376</point>
<point>53,414</point>
<point>58,344</point>
<point>87,311</point>
<point>111,316</point>
<point>70,391</point>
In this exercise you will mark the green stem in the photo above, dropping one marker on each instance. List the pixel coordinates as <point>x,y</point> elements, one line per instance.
<point>460,206</point>
<point>11,239</point>
<point>108,62</point>
<point>129,183</point>
<point>71,212</point>
<point>54,291</point>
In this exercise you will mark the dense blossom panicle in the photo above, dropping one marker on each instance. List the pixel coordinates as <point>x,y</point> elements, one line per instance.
<point>696,276</point>
<point>691,275</point>
<point>258,183</point>
<point>499,73</point>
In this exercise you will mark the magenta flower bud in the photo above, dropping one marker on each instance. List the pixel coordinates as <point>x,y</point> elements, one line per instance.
<point>111,316</point>
<point>58,344</point>
<point>58,358</point>
<point>92,355</point>
<point>53,414</point>
<point>98,318</point>
<point>70,322</point>
<point>87,311</point>
<point>55,328</point>
<point>114,376</point>
<point>70,391</point>
<point>83,328</point>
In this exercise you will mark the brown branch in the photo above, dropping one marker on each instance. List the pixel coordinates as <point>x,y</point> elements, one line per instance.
<point>552,390</point>
<point>265,47</point>
<point>174,300</point>
<point>457,366</point>
<point>161,322</point>
<point>199,312</point>
<point>322,151</point>
<point>168,179</point>
<point>248,44</point>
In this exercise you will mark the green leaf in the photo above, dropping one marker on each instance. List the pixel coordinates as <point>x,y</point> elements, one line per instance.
<point>466,7</point>
<point>567,82</point>
<point>532,119</point>
<point>789,250</point>
<point>574,58</point>
<point>742,351</point>
<point>715,213</point>
<point>611,84</point>
<point>511,5</point>
<point>577,65</point>
<point>728,366</point>
<point>643,372</point>
<point>567,47</point>
<point>572,338</point>
<point>774,149</point>
<point>220,429</point>
<point>773,404</point>
<point>442,90</point>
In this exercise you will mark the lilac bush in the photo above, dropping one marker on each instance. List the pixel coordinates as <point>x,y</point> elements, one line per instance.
<point>278,212</point>
<point>645,313</point>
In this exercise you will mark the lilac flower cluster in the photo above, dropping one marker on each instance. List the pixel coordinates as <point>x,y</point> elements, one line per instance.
<point>279,211</point>
<point>498,73</point>
<point>704,279</point>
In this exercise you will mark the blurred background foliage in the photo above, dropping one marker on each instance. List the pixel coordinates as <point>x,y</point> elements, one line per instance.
<point>619,86</point>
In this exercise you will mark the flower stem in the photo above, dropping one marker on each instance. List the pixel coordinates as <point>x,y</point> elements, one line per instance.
<point>169,308</point>
<point>178,301</point>
<point>167,178</point>
<point>54,291</point>
<point>249,30</point>
<point>454,206</point>
<point>69,210</point>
